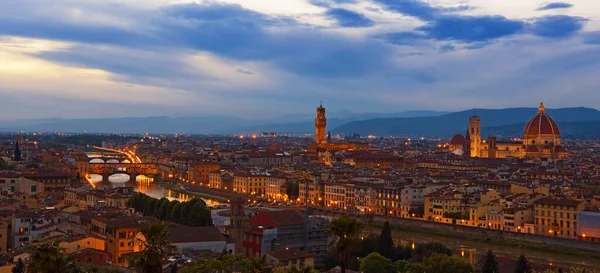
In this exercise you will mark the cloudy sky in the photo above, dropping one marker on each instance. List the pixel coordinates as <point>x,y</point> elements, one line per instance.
<point>258,58</point>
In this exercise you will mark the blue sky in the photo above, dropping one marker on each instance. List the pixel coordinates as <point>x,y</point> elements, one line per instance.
<point>260,58</point>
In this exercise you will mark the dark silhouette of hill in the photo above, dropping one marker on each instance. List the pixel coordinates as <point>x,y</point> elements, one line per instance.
<point>492,121</point>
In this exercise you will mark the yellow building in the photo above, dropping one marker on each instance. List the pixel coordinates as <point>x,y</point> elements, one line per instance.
<point>77,243</point>
<point>245,182</point>
<point>441,203</point>
<point>541,139</point>
<point>120,234</point>
<point>557,217</point>
<point>273,187</point>
<point>316,192</point>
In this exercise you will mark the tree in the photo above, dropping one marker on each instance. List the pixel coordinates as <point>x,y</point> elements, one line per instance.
<point>174,268</point>
<point>176,213</point>
<point>401,265</point>
<point>376,263</point>
<point>423,251</point>
<point>49,257</point>
<point>19,267</point>
<point>344,231</point>
<point>199,215</point>
<point>439,263</point>
<point>522,265</point>
<point>385,244</point>
<point>155,244</point>
<point>162,210</point>
<point>226,264</point>
<point>489,264</point>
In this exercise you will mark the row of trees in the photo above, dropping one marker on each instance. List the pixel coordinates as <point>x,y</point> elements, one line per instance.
<point>190,213</point>
<point>381,255</point>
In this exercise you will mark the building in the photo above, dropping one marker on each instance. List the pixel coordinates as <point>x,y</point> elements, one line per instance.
<point>199,171</point>
<point>120,234</point>
<point>245,182</point>
<point>290,258</point>
<point>557,217</point>
<point>323,143</point>
<point>207,238</point>
<point>541,139</point>
<point>588,224</point>
<point>275,187</point>
<point>221,179</point>
<point>285,229</point>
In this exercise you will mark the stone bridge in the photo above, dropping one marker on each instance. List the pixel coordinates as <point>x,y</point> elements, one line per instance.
<point>108,169</point>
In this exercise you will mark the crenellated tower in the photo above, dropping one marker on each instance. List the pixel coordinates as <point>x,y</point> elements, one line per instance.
<point>321,125</point>
<point>474,134</point>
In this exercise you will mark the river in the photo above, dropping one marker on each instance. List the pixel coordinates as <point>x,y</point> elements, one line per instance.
<point>471,251</point>
<point>141,184</point>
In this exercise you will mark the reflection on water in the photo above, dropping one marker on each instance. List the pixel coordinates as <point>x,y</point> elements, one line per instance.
<point>146,185</point>
<point>471,251</point>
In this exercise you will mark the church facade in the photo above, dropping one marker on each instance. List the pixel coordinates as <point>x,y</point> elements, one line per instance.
<point>541,139</point>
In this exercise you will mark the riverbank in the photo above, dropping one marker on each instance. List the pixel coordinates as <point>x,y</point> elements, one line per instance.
<point>563,254</point>
<point>179,190</point>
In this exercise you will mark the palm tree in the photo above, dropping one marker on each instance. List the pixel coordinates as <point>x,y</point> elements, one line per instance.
<point>155,244</point>
<point>344,231</point>
<point>49,257</point>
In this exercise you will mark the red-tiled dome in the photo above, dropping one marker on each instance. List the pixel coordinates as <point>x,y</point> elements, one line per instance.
<point>457,139</point>
<point>541,124</point>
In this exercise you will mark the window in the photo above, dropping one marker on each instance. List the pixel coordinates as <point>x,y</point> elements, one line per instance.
<point>122,244</point>
<point>12,181</point>
<point>33,188</point>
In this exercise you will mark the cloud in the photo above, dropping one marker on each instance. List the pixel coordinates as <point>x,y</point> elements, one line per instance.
<point>471,28</point>
<point>414,8</point>
<point>555,5</point>
<point>243,71</point>
<point>404,38</point>
<point>557,26</point>
<point>592,38</point>
<point>347,18</point>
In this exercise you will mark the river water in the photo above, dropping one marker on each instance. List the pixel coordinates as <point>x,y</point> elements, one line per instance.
<point>471,251</point>
<point>141,184</point>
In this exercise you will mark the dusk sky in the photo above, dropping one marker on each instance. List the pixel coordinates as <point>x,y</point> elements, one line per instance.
<point>256,58</point>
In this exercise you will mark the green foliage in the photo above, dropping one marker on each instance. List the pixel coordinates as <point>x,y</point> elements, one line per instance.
<point>49,257</point>
<point>156,244</point>
<point>385,244</point>
<point>19,266</point>
<point>522,265</point>
<point>292,189</point>
<point>226,264</point>
<point>439,263</point>
<point>195,211</point>
<point>423,251</point>
<point>293,269</point>
<point>344,231</point>
<point>456,215</point>
<point>401,265</point>
<point>489,263</point>
<point>376,263</point>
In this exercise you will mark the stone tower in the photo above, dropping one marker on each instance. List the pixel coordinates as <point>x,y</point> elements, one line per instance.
<point>237,223</point>
<point>320,125</point>
<point>475,136</point>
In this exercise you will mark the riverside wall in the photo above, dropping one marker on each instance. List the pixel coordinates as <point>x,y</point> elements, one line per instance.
<point>481,232</point>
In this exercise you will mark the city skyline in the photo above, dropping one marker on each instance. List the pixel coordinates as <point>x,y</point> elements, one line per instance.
<point>253,58</point>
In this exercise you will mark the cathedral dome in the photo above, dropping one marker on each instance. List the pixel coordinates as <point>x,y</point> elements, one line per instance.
<point>457,140</point>
<point>541,125</point>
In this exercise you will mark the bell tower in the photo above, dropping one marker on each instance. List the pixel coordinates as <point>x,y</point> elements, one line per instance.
<point>474,133</point>
<point>320,125</point>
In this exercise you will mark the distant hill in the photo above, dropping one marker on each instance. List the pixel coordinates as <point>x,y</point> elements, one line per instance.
<point>493,122</point>
<point>195,125</point>
<point>334,119</point>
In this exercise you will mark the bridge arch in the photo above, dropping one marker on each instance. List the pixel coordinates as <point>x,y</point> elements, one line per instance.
<point>113,161</point>
<point>97,160</point>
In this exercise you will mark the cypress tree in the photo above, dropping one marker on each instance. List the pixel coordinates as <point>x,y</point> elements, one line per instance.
<point>489,264</point>
<point>522,265</point>
<point>385,244</point>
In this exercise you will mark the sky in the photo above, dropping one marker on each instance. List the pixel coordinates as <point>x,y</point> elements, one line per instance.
<point>265,58</point>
